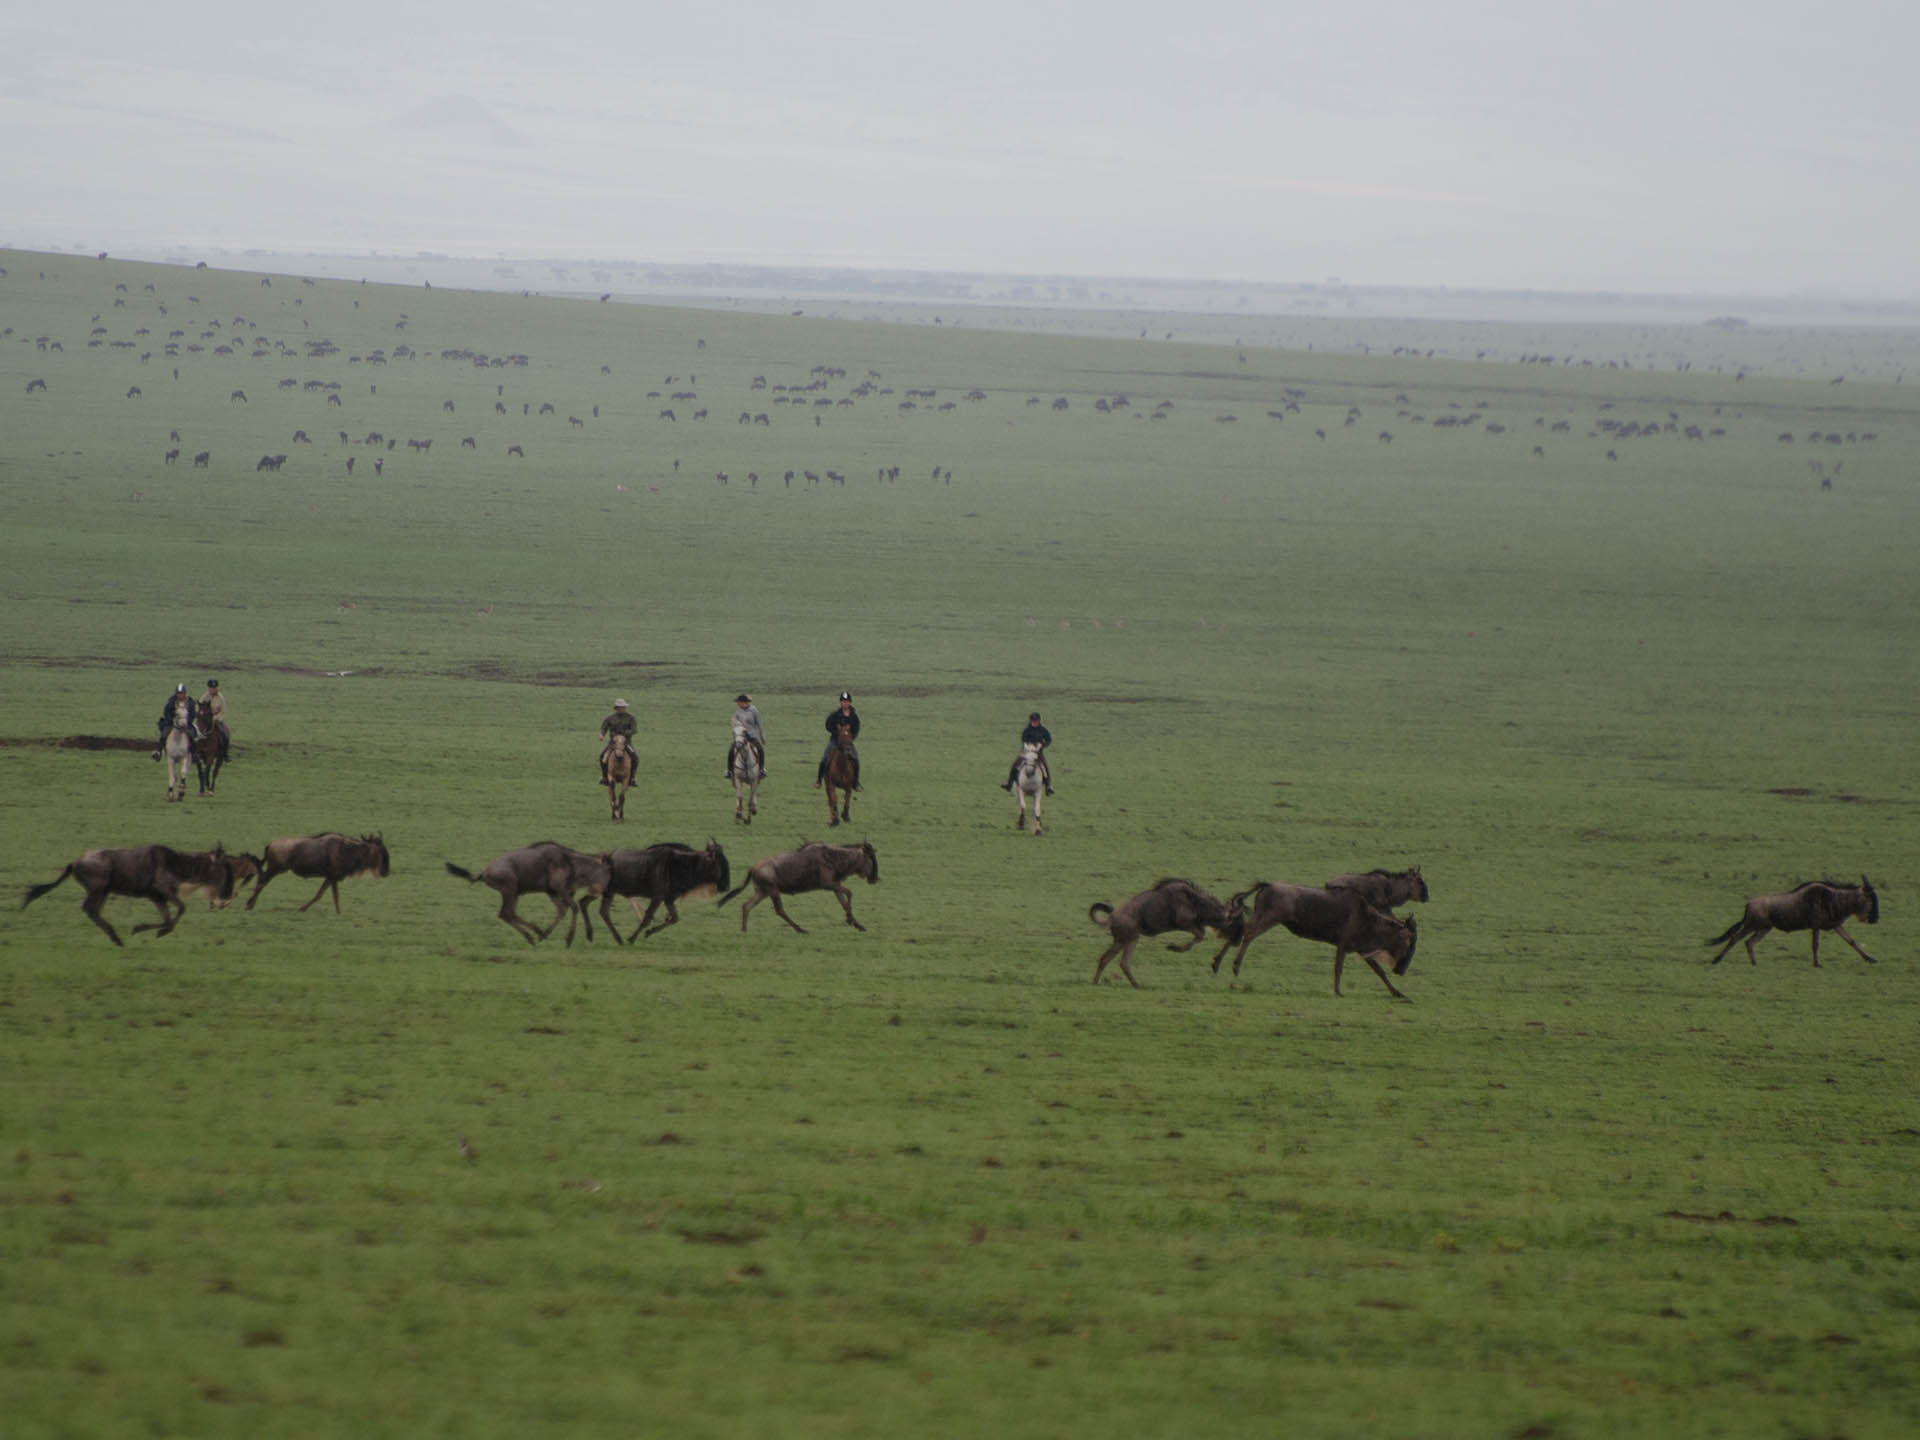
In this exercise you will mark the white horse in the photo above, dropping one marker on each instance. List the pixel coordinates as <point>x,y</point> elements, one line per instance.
<point>1028,779</point>
<point>178,748</point>
<point>745,763</point>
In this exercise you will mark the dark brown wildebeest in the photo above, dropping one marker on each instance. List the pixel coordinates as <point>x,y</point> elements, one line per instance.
<point>156,873</point>
<point>548,868</point>
<point>1340,918</point>
<point>818,866</point>
<point>1817,905</point>
<point>200,460</point>
<point>661,874</point>
<point>1170,905</point>
<point>1384,889</point>
<point>331,856</point>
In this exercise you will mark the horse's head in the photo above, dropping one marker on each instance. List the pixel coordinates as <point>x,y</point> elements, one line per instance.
<point>1873,901</point>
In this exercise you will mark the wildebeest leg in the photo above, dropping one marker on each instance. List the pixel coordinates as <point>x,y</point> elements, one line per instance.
<point>1105,956</point>
<point>321,891</point>
<point>606,915</point>
<point>168,917</point>
<point>846,904</point>
<point>673,916</point>
<point>1126,953</point>
<point>265,875</point>
<point>1841,931</point>
<point>1734,937</point>
<point>1199,933</point>
<point>523,928</point>
<point>1383,978</point>
<point>779,910</point>
<point>753,900</point>
<point>90,907</point>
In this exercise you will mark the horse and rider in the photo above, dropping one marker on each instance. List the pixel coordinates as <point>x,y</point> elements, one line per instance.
<point>620,723</point>
<point>207,714</point>
<point>747,730</point>
<point>843,728</point>
<point>1034,734</point>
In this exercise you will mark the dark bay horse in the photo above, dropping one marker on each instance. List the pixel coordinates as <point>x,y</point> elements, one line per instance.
<point>165,876</point>
<point>206,749</point>
<point>818,866</point>
<point>840,776</point>
<point>1340,918</point>
<point>620,766</point>
<point>1817,905</point>
<point>542,868</point>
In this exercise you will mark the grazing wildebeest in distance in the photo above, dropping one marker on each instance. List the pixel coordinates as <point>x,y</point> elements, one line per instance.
<point>1340,918</point>
<point>743,763</point>
<point>818,866</point>
<point>661,875</point>
<point>1816,905</point>
<point>331,856</point>
<point>1384,889</point>
<point>620,767</point>
<point>840,777</point>
<point>1173,904</point>
<point>542,868</point>
<point>156,873</point>
<point>1028,780</point>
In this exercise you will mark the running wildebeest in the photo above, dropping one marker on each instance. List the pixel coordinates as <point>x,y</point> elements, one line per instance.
<point>545,868</point>
<point>156,873</point>
<point>1384,889</point>
<point>331,856</point>
<point>1340,918</point>
<point>1817,905</point>
<point>661,874</point>
<point>818,866</point>
<point>1172,904</point>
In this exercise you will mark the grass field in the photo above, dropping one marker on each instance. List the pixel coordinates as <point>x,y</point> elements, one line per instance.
<point>927,1179</point>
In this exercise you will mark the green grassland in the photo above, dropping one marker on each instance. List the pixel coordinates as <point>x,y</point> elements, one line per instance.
<point>926,1179</point>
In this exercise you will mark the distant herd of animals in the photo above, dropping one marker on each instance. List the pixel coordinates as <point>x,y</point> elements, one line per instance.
<point>1354,913</point>
<point>827,391</point>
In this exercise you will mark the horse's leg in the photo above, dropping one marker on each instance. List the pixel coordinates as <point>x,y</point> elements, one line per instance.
<point>1841,931</point>
<point>781,911</point>
<point>846,904</point>
<point>90,907</point>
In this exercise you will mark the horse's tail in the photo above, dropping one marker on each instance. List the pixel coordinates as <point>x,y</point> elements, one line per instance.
<point>459,874</point>
<point>34,892</point>
<point>1100,913</point>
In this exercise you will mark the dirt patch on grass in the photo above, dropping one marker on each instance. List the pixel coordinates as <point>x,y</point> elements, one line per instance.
<point>90,742</point>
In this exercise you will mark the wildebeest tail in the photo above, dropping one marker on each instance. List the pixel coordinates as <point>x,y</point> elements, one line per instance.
<point>34,892</point>
<point>735,891</point>
<point>466,875</point>
<point>1094,913</point>
<point>1727,934</point>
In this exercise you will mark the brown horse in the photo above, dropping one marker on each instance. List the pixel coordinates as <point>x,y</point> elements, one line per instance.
<point>840,776</point>
<point>206,749</point>
<point>620,767</point>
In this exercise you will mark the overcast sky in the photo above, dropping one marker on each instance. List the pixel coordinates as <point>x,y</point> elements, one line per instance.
<point>1754,147</point>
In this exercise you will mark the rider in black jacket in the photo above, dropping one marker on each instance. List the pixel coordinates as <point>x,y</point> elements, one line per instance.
<point>1034,734</point>
<point>842,717</point>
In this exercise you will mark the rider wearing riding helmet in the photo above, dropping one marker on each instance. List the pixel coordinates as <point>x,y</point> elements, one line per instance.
<point>1034,734</point>
<point>178,698</point>
<point>842,718</point>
